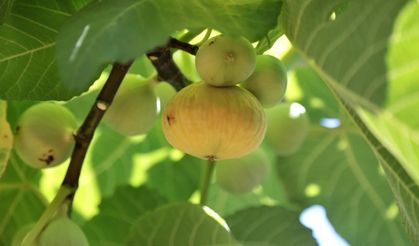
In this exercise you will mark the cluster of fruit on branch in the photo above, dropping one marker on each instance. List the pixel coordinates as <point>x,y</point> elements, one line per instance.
<point>223,118</point>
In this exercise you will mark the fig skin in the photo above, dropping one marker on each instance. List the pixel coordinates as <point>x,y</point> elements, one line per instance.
<point>242,175</point>
<point>268,82</point>
<point>134,109</point>
<point>44,135</point>
<point>225,61</point>
<point>214,123</point>
<point>288,126</point>
<point>62,232</point>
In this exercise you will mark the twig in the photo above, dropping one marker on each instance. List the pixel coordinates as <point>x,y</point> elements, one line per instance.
<point>85,133</point>
<point>167,70</point>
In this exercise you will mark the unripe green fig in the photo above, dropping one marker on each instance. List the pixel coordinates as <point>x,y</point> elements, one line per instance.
<point>135,107</point>
<point>243,174</point>
<point>213,122</point>
<point>164,92</point>
<point>44,135</point>
<point>21,234</point>
<point>225,61</point>
<point>268,82</point>
<point>62,232</point>
<point>288,125</point>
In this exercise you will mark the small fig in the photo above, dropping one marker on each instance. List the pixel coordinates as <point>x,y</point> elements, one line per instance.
<point>243,174</point>
<point>62,232</point>
<point>268,82</point>
<point>164,92</point>
<point>214,123</point>
<point>135,107</point>
<point>225,61</point>
<point>44,135</point>
<point>288,125</point>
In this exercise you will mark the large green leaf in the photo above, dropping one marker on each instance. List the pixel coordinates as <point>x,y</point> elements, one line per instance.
<point>119,212</point>
<point>5,7</point>
<point>366,53</point>
<point>336,168</point>
<point>21,202</point>
<point>27,49</point>
<point>269,226</point>
<point>109,31</point>
<point>179,224</point>
<point>347,40</point>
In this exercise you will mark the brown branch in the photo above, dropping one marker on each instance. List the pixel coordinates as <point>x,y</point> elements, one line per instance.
<point>85,133</point>
<point>162,59</point>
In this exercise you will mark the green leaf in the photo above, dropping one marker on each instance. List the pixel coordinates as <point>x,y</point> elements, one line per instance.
<point>5,8</point>
<point>21,201</point>
<point>119,212</point>
<point>27,54</point>
<point>334,165</point>
<point>121,31</point>
<point>269,226</point>
<point>367,54</point>
<point>346,40</point>
<point>179,224</point>
<point>176,180</point>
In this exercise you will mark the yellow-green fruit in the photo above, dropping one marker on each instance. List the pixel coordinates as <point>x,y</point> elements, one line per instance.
<point>213,122</point>
<point>268,82</point>
<point>288,125</point>
<point>164,92</point>
<point>21,234</point>
<point>44,135</point>
<point>135,107</point>
<point>243,174</point>
<point>62,232</point>
<point>225,61</point>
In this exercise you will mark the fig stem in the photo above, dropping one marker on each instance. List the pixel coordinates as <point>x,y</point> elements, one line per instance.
<point>85,133</point>
<point>209,171</point>
<point>46,216</point>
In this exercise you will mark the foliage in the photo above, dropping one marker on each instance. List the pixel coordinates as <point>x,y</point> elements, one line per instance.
<point>352,64</point>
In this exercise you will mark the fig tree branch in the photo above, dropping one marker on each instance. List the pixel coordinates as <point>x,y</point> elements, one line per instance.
<point>162,59</point>
<point>85,133</point>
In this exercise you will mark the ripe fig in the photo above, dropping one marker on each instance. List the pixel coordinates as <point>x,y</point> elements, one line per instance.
<point>44,135</point>
<point>288,125</point>
<point>62,232</point>
<point>225,61</point>
<point>268,82</point>
<point>135,107</point>
<point>214,123</point>
<point>243,174</point>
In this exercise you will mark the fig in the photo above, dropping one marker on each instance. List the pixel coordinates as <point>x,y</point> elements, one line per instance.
<point>44,135</point>
<point>268,82</point>
<point>164,92</point>
<point>225,61</point>
<point>62,232</point>
<point>288,125</point>
<point>214,122</point>
<point>243,174</point>
<point>6,144</point>
<point>134,108</point>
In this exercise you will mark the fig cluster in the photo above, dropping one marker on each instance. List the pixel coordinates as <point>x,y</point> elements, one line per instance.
<point>222,117</point>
